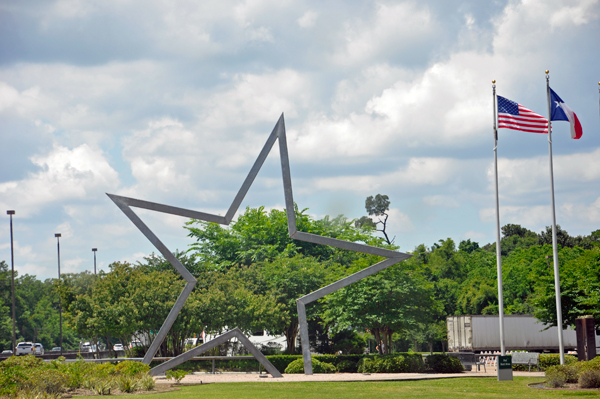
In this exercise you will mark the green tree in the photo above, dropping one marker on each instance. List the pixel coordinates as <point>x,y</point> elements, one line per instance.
<point>393,300</point>
<point>579,285</point>
<point>288,279</point>
<point>5,307</point>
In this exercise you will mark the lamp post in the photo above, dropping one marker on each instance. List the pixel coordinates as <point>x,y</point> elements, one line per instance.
<point>12,283</point>
<point>57,235</point>
<point>94,251</point>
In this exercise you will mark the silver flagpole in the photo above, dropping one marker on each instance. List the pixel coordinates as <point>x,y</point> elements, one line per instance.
<point>498,249</point>
<point>559,318</point>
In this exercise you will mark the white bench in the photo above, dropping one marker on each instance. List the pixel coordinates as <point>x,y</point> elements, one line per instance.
<point>526,358</point>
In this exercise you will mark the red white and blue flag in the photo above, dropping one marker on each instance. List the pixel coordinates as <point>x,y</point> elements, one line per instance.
<point>562,112</point>
<point>514,116</point>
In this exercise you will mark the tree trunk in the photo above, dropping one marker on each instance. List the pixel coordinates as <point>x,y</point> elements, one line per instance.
<point>291,332</point>
<point>377,334</point>
<point>431,347</point>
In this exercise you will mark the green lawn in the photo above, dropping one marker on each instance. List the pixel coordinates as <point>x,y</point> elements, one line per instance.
<point>443,388</point>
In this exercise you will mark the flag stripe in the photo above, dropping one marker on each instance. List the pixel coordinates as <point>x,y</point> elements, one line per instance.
<point>514,116</point>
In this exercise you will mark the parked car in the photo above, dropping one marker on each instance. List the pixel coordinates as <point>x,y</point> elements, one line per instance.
<point>38,349</point>
<point>133,344</point>
<point>87,348</point>
<point>56,349</point>
<point>118,347</point>
<point>7,352</point>
<point>24,348</point>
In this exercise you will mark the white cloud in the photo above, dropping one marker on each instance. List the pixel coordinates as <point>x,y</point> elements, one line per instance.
<point>474,235</point>
<point>442,201</point>
<point>418,172</point>
<point>308,19</point>
<point>396,26</point>
<point>588,214</point>
<point>65,175</point>
<point>258,98</point>
<point>401,221</point>
<point>517,177</point>
<point>534,216</point>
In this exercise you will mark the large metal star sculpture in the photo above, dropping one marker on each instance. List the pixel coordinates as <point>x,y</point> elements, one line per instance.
<point>125,204</point>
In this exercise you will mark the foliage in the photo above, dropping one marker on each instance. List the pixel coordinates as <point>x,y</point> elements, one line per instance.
<point>589,379</point>
<point>443,364</point>
<point>280,362</point>
<point>555,378</point>
<point>176,375</point>
<point>394,299</point>
<point>568,371</point>
<point>348,342</point>
<point>297,367</point>
<point>548,360</point>
<point>130,368</point>
<point>28,374</point>
<point>397,363</point>
<point>258,236</point>
<point>347,366</point>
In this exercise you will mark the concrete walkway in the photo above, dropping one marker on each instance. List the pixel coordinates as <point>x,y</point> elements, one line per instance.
<point>207,378</point>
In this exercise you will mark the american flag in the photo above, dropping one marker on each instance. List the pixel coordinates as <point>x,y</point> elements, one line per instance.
<point>514,116</point>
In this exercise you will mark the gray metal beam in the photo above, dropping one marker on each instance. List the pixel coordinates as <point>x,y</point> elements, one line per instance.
<point>351,246</point>
<point>237,333</point>
<point>237,201</point>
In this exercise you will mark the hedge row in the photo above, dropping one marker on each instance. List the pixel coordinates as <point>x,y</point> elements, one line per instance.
<point>370,363</point>
<point>546,361</point>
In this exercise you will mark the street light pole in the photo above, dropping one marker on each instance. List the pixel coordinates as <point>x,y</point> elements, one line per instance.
<point>94,251</point>
<point>12,262</point>
<point>57,235</point>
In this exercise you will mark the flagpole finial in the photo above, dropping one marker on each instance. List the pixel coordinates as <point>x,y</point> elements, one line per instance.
<point>494,81</point>
<point>547,72</point>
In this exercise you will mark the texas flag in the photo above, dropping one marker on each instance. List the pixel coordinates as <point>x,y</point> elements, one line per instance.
<point>562,112</point>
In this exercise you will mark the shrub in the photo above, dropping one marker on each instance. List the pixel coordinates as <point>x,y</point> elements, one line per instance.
<point>147,383</point>
<point>127,383</point>
<point>131,368</point>
<point>280,362</point>
<point>297,367</point>
<point>443,364</point>
<point>590,379</point>
<point>568,370</point>
<point>102,386</point>
<point>176,375</point>
<point>46,380</point>
<point>553,359</point>
<point>555,378</point>
<point>347,366</point>
<point>400,363</point>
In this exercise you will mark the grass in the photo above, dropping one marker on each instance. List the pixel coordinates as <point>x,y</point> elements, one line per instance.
<point>443,388</point>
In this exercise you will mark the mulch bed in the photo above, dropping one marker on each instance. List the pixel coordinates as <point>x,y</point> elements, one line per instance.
<point>567,387</point>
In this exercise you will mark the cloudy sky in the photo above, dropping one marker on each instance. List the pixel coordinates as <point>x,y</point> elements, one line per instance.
<point>171,102</point>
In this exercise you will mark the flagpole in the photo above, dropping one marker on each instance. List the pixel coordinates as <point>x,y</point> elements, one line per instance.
<point>498,249</point>
<point>559,318</point>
